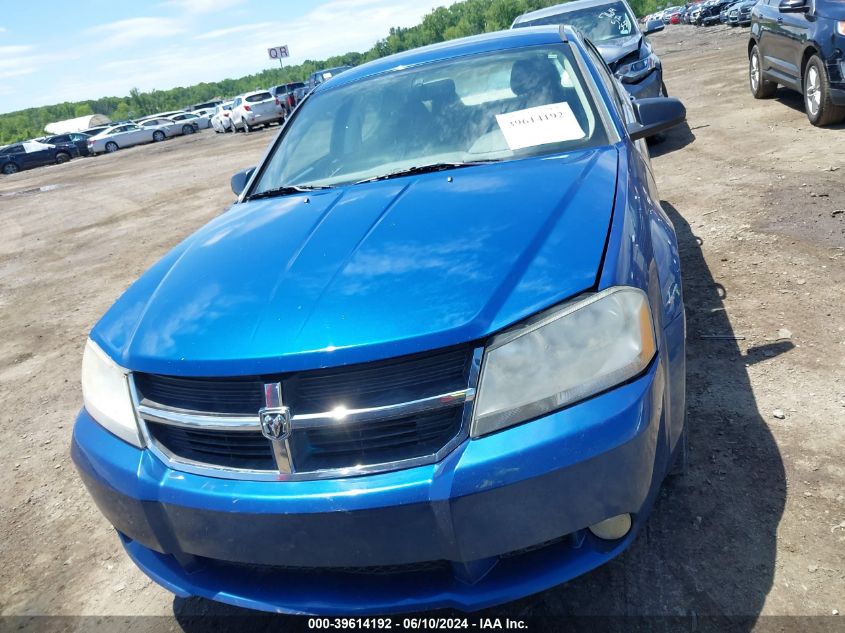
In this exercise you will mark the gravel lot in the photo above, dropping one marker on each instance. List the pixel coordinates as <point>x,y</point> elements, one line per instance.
<point>757,527</point>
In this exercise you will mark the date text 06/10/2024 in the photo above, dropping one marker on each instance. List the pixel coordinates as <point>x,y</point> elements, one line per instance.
<point>416,624</point>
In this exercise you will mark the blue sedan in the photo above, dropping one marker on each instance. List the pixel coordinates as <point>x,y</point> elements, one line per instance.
<point>433,357</point>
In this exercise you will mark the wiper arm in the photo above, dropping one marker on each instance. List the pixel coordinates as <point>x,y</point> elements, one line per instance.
<point>423,169</point>
<point>284,191</point>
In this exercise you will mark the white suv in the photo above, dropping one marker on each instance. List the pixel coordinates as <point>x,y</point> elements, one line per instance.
<point>255,108</point>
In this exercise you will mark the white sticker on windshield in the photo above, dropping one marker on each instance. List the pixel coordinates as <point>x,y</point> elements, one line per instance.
<point>551,123</point>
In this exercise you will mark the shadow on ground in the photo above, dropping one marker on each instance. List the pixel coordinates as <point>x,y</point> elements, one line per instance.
<point>795,100</point>
<point>678,137</point>
<point>706,558</point>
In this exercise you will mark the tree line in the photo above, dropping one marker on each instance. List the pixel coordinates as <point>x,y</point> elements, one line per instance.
<point>468,17</point>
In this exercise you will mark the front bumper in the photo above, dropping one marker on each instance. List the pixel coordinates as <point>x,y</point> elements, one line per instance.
<point>501,517</point>
<point>649,86</point>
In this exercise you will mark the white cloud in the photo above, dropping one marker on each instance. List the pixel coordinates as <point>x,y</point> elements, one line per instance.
<point>201,6</point>
<point>17,61</point>
<point>220,33</point>
<point>136,52</point>
<point>122,33</point>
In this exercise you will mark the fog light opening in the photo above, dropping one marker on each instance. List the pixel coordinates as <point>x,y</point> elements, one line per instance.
<point>612,528</point>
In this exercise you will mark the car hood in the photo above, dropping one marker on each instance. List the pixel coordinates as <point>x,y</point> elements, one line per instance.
<point>369,271</point>
<point>614,50</point>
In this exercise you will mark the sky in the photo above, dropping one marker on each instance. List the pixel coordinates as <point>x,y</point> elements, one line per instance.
<point>53,50</point>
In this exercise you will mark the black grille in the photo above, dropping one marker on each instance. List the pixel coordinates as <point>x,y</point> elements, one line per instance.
<point>353,386</point>
<point>235,395</point>
<point>365,385</point>
<point>375,442</point>
<point>229,449</point>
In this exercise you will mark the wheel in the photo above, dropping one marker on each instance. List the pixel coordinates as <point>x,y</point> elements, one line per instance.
<point>248,128</point>
<point>234,128</point>
<point>62,157</point>
<point>111,147</point>
<point>10,168</point>
<point>158,135</point>
<point>761,88</point>
<point>820,108</point>
<point>187,129</point>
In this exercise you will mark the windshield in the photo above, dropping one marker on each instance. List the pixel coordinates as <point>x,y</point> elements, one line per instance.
<point>491,107</point>
<point>598,24</point>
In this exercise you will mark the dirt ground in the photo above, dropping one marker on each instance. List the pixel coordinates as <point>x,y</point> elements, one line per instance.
<point>756,193</point>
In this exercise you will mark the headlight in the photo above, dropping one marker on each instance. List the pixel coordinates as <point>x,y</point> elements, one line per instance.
<point>840,27</point>
<point>105,391</point>
<point>638,69</point>
<point>562,356</point>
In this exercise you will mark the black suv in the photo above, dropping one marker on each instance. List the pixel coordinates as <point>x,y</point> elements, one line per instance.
<point>799,44</point>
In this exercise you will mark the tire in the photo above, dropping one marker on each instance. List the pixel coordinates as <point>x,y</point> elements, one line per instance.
<point>760,88</point>
<point>111,147</point>
<point>158,135</point>
<point>10,168</point>
<point>820,108</point>
<point>187,129</point>
<point>62,157</point>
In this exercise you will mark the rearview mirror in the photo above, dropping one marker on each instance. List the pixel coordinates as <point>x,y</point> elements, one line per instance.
<point>655,115</point>
<point>653,26</point>
<point>240,179</point>
<point>793,6</point>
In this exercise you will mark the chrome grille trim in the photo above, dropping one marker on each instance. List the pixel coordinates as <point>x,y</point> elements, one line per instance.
<point>202,420</point>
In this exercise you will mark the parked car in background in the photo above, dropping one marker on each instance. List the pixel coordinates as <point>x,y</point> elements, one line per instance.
<point>300,93</point>
<point>740,13</point>
<point>667,14</point>
<point>205,105</point>
<point>120,137</point>
<point>77,139</point>
<point>286,93</point>
<point>221,119</point>
<point>611,27</point>
<point>255,108</point>
<point>356,433</point>
<point>318,77</point>
<point>19,156</point>
<point>167,128</point>
<point>798,44</point>
<point>726,9</point>
<point>194,120</point>
<point>710,12</point>
<point>93,131</point>
<point>157,115</point>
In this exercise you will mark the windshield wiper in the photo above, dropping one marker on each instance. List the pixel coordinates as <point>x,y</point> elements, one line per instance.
<point>424,169</point>
<point>284,191</point>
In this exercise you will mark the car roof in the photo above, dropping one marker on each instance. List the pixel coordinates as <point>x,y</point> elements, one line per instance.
<point>561,8</point>
<point>486,43</point>
<point>253,92</point>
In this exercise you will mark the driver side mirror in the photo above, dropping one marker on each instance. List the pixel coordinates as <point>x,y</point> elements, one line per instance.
<point>655,115</point>
<point>239,180</point>
<point>793,6</point>
<point>653,26</point>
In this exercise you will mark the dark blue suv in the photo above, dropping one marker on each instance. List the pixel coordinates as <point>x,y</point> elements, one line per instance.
<point>799,44</point>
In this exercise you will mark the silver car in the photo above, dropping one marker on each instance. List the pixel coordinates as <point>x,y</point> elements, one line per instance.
<point>118,137</point>
<point>168,127</point>
<point>200,122</point>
